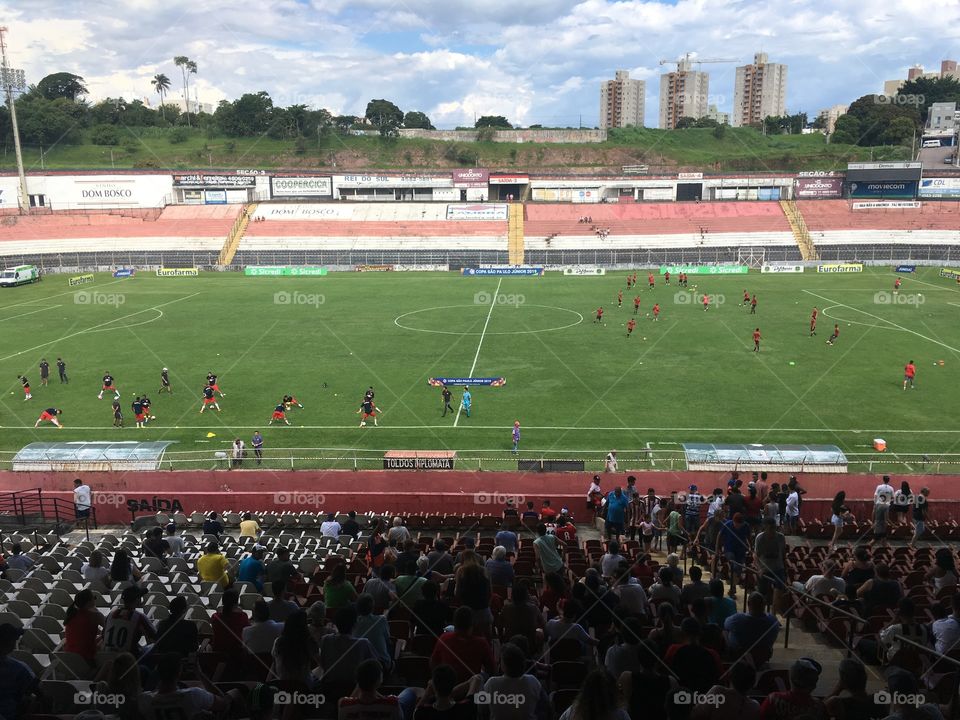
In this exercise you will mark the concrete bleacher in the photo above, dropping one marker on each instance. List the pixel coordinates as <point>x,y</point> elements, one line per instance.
<point>835,215</point>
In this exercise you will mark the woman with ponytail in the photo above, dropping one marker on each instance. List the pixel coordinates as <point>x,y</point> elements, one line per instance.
<point>82,625</point>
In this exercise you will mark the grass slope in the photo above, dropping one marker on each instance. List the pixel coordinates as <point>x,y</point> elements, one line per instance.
<point>577,387</point>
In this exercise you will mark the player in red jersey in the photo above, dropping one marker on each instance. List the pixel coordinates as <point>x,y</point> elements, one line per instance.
<point>656,312</point>
<point>650,280</point>
<point>896,285</point>
<point>756,340</point>
<point>636,305</point>
<point>635,279</point>
<point>909,373</point>
<point>631,324</point>
<point>620,299</point>
<point>599,318</point>
<point>666,278</point>
<point>746,298</point>
<point>26,387</point>
<point>213,382</point>
<point>279,414</point>
<point>50,415</point>
<point>753,305</point>
<point>629,281</point>
<point>706,302</point>
<point>836,334</point>
<point>368,409</point>
<point>813,322</point>
<point>209,399</point>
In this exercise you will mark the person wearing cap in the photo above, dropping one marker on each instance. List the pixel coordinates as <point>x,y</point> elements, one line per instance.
<point>17,681</point>
<point>126,625</point>
<point>798,701</point>
<point>905,692</point>
<point>733,540</point>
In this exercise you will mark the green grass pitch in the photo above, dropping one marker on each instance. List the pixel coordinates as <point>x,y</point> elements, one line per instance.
<point>573,384</point>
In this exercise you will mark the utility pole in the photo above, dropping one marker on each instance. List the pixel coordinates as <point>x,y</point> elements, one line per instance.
<point>14,80</point>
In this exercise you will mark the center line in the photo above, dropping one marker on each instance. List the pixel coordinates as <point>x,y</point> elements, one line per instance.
<point>493,302</point>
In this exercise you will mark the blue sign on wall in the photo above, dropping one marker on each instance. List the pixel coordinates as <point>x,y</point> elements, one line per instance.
<point>124,273</point>
<point>883,189</point>
<point>905,268</point>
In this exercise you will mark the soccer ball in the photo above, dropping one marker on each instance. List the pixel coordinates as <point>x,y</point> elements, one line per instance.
<point>153,417</point>
<point>363,423</point>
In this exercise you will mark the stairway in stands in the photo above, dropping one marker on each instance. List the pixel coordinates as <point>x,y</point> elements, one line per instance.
<point>800,233</point>
<point>232,243</point>
<point>515,234</point>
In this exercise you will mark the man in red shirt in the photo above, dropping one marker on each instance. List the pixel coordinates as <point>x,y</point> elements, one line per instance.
<point>798,701</point>
<point>813,322</point>
<point>547,513</point>
<point>599,317</point>
<point>746,298</point>
<point>896,285</point>
<point>631,324</point>
<point>706,302</point>
<point>636,305</point>
<point>836,334</point>
<point>753,305</point>
<point>620,299</point>
<point>666,278</point>
<point>756,340</point>
<point>650,280</point>
<point>466,653</point>
<point>656,312</point>
<point>565,530</point>
<point>909,373</point>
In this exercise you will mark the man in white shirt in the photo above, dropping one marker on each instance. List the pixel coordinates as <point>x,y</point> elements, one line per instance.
<point>81,499</point>
<point>527,698</point>
<point>174,541</point>
<point>715,503</point>
<point>330,527</point>
<point>169,700</point>
<point>827,584</point>
<point>884,489</point>
<point>946,632</point>
<point>398,533</point>
<point>792,515</point>
<point>260,636</point>
<point>611,463</point>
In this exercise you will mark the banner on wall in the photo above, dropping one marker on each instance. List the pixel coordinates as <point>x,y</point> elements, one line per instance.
<point>283,271</point>
<point>840,268</point>
<point>704,269</point>
<point>215,181</point>
<point>301,187</point>
<point>785,268</point>
<point>177,272</point>
<point>820,187</point>
<point>504,270</point>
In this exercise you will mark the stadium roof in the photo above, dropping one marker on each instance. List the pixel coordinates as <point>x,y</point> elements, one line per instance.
<point>756,456</point>
<point>90,456</point>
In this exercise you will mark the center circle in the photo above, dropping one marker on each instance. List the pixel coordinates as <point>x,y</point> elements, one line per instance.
<point>447,316</point>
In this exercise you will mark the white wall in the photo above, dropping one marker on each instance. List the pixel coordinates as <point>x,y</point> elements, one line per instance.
<point>93,192</point>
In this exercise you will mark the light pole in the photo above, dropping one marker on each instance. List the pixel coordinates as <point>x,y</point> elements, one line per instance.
<point>14,80</point>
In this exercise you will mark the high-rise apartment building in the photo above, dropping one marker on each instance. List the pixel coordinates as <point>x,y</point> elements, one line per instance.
<point>622,101</point>
<point>683,93</point>
<point>759,91</point>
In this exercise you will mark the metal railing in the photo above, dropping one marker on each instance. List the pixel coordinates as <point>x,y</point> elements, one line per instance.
<point>32,507</point>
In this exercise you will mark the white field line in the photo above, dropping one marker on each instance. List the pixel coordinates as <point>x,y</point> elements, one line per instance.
<point>14,317</point>
<point>493,303</point>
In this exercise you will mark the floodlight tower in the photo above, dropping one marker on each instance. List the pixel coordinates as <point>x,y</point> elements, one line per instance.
<point>13,81</point>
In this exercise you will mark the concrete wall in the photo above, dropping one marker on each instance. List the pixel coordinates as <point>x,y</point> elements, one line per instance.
<point>511,136</point>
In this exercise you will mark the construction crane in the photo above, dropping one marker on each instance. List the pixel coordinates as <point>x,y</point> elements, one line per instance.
<point>696,61</point>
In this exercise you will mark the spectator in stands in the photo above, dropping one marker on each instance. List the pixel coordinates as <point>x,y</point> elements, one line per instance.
<point>212,525</point>
<point>126,625</point>
<point>521,616</point>
<point>338,592</point>
<point>96,572</point>
<point>123,570</point>
<point>212,566</point>
<point>17,682</point>
<point>281,567</point>
<point>791,515</point>
<point>920,512</point>
<point>734,541</point>
<point>568,627</point>
<point>736,703</point>
<point>881,520</point>
<point>350,526</point>
<point>398,533</point>
<point>673,564</point>
<point>946,631</point>
<point>884,491</point>
<point>905,654</point>
<point>17,560</point>
<point>444,699</point>
<point>507,538</point>
<point>228,624</point>
<point>330,527</point>
<point>409,584</point>
<point>665,590</point>
<point>839,515</point>
<point>753,632</point>
<point>249,527</point>
<point>666,632</point>
<point>849,698</point>
<point>176,634</point>
<point>624,655</point>
<point>366,701</point>
<point>499,568</point>
<point>798,701</point>
<point>409,554</point>
<point>473,590</point>
<point>440,559</point>
<point>565,530</point>
<point>548,551</point>
<point>469,544</point>
<point>155,546</point>
<point>82,626</point>
<point>279,608</point>
<point>295,654</point>
<point>169,699</point>
<point>510,511</point>
<point>466,652</point>
<point>694,589</point>
<point>611,560</point>
<point>828,583</point>
<point>880,593</point>
<point>531,699</point>
<point>382,589</point>
<point>646,693</point>
<point>904,690</point>
<point>695,666</point>
<point>555,592</point>
<point>251,569</point>
<point>944,570</point>
<point>431,614</point>
<point>376,545</point>
<point>631,597</point>
<point>858,571</point>
<point>260,635</point>
<point>720,607</point>
<point>174,541</point>
<point>616,507</point>
<point>317,623</point>
<point>530,513</point>
<point>770,561</point>
<point>375,629</point>
<point>547,513</point>
<point>120,677</point>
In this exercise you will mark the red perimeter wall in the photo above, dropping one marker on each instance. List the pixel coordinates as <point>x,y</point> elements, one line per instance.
<point>118,495</point>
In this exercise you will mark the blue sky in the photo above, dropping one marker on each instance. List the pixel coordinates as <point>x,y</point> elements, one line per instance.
<point>534,61</point>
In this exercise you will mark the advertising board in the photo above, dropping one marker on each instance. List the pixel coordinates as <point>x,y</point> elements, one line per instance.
<point>820,187</point>
<point>479,211</point>
<point>301,187</point>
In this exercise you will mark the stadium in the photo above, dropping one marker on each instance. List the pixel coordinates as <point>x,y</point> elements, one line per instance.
<point>480,442</point>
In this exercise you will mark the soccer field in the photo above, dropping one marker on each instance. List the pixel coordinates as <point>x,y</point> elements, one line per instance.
<point>574,385</point>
